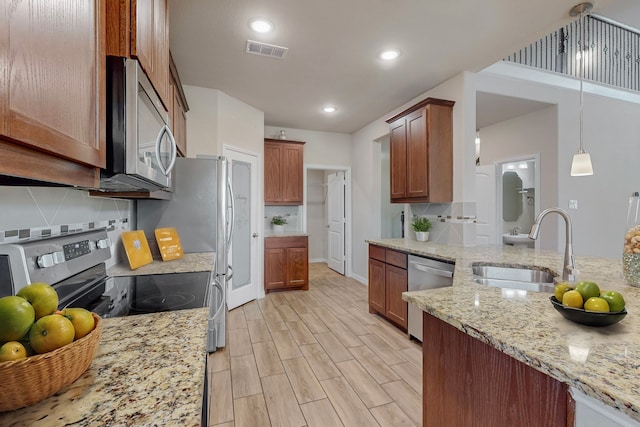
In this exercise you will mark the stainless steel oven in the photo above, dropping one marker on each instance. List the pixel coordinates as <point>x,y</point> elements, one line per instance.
<point>141,150</point>
<point>142,294</point>
<point>74,264</point>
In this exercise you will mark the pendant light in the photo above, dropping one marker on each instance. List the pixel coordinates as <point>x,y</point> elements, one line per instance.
<point>581,164</point>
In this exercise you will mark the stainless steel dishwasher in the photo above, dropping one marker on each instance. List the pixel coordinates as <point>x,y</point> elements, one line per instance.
<point>425,273</point>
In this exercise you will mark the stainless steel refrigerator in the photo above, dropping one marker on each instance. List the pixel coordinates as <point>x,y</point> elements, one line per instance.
<point>201,209</point>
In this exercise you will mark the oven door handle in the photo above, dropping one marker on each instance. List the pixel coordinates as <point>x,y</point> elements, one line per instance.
<point>220,289</point>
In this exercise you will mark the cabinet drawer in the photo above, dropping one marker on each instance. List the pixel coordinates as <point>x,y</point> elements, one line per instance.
<point>399,259</point>
<point>286,242</point>
<point>377,252</point>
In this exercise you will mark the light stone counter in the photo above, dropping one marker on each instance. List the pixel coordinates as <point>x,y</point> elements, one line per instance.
<point>148,371</point>
<point>285,234</point>
<point>192,262</point>
<point>602,362</point>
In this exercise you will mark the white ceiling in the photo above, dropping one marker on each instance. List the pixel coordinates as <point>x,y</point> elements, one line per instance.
<point>333,47</point>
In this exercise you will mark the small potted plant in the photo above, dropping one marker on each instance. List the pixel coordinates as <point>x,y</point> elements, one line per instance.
<point>421,226</point>
<point>278,222</point>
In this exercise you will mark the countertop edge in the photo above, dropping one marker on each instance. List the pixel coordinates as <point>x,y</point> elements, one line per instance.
<point>463,257</point>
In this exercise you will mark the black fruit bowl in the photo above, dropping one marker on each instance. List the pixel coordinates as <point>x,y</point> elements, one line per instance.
<point>589,318</point>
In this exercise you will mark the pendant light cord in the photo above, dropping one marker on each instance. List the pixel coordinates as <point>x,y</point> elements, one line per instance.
<point>582,53</point>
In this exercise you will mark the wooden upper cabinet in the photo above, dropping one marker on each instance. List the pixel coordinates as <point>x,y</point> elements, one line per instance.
<point>52,90</point>
<point>421,153</point>
<point>178,109</point>
<point>140,29</point>
<point>283,163</point>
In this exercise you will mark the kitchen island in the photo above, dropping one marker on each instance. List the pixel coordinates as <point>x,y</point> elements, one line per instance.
<point>600,362</point>
<point>149,370</point>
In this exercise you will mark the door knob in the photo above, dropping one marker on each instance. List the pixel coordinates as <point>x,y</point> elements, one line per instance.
<point>255,234</point>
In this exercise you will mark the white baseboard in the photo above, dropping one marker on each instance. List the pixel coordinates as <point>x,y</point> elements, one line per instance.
<point>360,279</point>
<point>318,260</point>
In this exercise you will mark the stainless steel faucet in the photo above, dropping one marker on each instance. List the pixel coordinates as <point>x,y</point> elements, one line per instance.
<point>569,269</point>
<point>515,230</point>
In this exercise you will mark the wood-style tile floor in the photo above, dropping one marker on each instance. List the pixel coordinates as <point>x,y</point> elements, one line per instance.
<point>315,358</point>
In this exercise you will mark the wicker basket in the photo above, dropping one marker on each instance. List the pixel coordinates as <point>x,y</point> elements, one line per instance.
<point>35,378</point>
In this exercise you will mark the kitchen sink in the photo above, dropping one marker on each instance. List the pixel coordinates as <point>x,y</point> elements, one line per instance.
<point>527,278</point>
<point>517,239</point>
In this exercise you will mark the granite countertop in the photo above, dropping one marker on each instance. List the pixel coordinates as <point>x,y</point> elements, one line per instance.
<point>192,262</point>
<point>601,362</point>
<point>269,234</point>
<point>148,371</point>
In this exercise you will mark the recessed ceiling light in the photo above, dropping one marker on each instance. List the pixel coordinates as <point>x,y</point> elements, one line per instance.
<point>261,25</point>
<point>390,54</point>
<point>329,109</point>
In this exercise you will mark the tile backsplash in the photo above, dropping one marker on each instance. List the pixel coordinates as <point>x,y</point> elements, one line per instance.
<point>290,213</point>
<point>33,212</point>
<point>453,223</point>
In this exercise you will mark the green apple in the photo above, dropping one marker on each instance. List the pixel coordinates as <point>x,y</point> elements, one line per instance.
<point>42,297</point>
<point>615,300</point>
<point>588,289</point>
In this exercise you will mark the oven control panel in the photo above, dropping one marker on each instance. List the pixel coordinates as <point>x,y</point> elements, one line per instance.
<point>76,249</point>
<point>53,259</point>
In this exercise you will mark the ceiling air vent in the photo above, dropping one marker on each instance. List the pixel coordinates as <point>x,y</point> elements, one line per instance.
<point>265,49</point>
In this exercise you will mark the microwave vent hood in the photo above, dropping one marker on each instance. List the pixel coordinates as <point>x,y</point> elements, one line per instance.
<point>140,146</point>
<point>127,183</point>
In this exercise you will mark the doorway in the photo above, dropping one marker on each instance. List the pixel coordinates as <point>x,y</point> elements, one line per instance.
<point>518,187</point>
<point>508,195</point>
<point>243,176</point>
<point>327,216</point>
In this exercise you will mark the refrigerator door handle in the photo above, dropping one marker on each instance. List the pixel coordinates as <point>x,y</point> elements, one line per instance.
<point>229,274</point>
<point>233,211</point>
<point>220,289</point>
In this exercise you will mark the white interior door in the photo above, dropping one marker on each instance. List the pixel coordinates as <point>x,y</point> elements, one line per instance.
<point>243,253</point>
<point>336,217</point>
<point>486,205</point>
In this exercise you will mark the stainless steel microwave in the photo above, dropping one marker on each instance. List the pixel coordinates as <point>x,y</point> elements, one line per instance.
<point>141,150</point>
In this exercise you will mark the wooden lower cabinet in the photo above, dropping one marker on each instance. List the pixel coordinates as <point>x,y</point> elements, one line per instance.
<point>469,383</point>
<point>286,263</point>
<point>387,282</point>
<point>377,286</point>
<point>396,284</point>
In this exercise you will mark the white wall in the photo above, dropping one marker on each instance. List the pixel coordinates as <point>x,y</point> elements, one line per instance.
<point>215,119</point>
<point>365,172</point>
<point>202,121</point>
<point>320,148</point>
<point>240,125</point>
<point>391,213</point>
<point>611,129</point>
<point>528,135</point>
